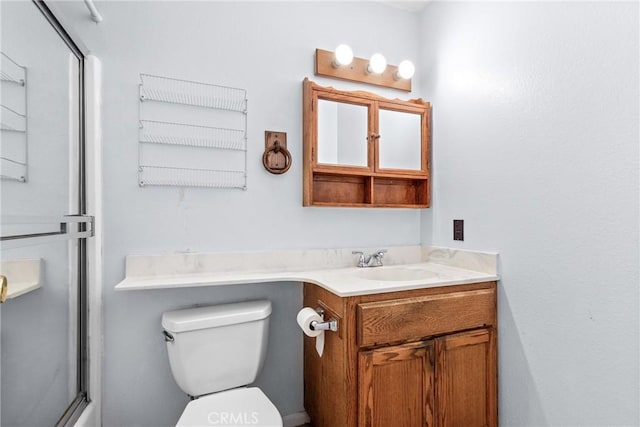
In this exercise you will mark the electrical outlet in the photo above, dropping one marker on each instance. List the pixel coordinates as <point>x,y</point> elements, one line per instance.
<point>458,229</point>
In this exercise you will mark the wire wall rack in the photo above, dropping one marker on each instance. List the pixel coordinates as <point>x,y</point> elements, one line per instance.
<point>11,169</point>
<point>159,132</point>
<point>191,177</point>
<point>202,116</point>
<point>187,92</point>
<point>13,120</point>
<point>11,71</point>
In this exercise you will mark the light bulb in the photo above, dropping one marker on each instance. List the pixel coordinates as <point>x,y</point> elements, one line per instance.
<point>342,56</point>
<point>377,64</point>
<point>406,70</point>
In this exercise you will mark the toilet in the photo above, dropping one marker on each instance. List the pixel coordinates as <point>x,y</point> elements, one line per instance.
<point>215,352</point>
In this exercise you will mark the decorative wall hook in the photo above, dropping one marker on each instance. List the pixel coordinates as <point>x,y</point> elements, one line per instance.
<point>276,158</point>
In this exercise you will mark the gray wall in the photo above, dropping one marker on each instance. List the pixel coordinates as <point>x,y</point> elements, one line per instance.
<point>266,48</point>
<point>535,146</point>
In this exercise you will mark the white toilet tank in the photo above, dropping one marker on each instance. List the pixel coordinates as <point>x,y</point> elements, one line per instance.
<point>218,347</point>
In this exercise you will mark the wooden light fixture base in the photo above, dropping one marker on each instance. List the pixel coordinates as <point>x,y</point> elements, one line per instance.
<point>357,72</point>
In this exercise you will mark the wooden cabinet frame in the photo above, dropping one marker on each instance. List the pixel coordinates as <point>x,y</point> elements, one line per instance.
<point>444,374</point>
<point>363,186</point>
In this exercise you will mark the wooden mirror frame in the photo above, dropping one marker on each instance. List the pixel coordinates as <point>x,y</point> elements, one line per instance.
<point>356,186</point>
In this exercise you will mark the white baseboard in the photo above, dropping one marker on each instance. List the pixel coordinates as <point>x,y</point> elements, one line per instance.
<point>295,419</point>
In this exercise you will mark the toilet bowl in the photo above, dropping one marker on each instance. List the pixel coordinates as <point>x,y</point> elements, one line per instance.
<point>237,407</point>
<point>215,352</point>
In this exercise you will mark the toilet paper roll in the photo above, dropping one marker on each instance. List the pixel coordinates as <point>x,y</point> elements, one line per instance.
<point>304,318</point>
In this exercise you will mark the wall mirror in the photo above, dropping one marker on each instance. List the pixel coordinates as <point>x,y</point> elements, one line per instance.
<point>364,150</point>
<point>342,133</point>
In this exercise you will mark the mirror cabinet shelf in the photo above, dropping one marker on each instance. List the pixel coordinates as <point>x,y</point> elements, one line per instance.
<point>363,150</point>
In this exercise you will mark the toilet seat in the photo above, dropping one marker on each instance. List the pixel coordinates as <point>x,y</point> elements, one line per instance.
<point>231,408</point>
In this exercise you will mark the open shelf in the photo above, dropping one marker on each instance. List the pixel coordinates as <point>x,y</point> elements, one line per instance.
<point>209,141</point>
<point>159,132</point>
<point>191,177</point>
<point>337,190</point>
<point>401,192</point>
<point>6,77</point>
<point>23,276</point>
<point>13,170</point>
<point>187,92</point>
<point>342,190</point>
<point>11,71</point>
<point>11,120</point>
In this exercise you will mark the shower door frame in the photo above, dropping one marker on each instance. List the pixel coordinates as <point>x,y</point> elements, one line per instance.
<point>78,227</point>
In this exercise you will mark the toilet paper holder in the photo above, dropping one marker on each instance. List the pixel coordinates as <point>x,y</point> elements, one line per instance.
<point>330,325</point>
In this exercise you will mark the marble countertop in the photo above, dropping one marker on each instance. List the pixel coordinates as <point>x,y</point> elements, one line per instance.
<point>333,269</point>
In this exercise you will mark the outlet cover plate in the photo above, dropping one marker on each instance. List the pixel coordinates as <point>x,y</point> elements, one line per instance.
<point>458,229</point>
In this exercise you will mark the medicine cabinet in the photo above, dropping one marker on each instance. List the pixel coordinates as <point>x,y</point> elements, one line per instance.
<point>363,150</point>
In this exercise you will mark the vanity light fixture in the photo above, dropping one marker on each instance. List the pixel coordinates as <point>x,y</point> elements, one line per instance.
<point>341,64</point>
<point>377,64</point>
<point>343,56</point>
<point>406,70</point>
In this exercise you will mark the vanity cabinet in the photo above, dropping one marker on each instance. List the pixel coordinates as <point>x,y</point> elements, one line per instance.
<point>424,357</point>
<point>363,150</point>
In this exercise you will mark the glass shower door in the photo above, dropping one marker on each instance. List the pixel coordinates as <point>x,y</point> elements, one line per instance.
<point>44,229</point>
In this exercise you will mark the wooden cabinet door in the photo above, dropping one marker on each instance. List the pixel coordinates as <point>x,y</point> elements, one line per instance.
<point>466,391</point>
<point>396,386</point>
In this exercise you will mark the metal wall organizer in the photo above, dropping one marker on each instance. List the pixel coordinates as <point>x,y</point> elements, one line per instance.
<point>214,105</point>
<point>13,120</point>
<point>191,135</point>
<point>188,177</point>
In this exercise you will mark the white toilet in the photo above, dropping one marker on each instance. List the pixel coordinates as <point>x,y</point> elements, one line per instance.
<point>214,353</point>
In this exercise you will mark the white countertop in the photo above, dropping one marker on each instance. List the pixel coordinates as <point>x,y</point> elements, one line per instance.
<point>332,269</point>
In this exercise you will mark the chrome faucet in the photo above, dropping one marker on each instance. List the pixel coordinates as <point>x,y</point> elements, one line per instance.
<point>372,260</point>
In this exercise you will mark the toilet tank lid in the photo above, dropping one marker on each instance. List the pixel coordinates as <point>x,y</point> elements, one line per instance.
<point>214,316</point>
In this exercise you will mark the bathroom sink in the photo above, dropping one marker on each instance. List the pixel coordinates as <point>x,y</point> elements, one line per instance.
<point>395,274</point>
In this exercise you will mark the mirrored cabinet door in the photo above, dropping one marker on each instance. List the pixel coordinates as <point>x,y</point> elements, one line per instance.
<point>343,130</point>
<point>342,133</point>
<point>400,142</point>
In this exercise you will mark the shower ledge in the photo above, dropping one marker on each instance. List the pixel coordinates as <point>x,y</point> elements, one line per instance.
<point>23,276</point>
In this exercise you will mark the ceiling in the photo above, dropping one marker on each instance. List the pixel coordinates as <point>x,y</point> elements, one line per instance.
<point>412,5</point>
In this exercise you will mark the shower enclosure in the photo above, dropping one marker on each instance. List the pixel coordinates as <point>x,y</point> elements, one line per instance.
<point>44,228</point>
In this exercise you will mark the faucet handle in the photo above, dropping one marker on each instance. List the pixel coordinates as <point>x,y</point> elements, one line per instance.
<point>377,257</point>
<point>361,261</point>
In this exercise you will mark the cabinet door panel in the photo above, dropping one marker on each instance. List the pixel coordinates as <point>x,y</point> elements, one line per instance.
<point>465,378</point>
<point>396,386</point>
